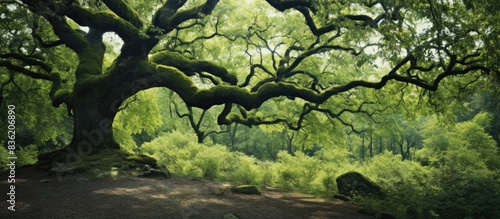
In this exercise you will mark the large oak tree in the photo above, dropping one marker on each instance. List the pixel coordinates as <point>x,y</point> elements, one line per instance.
<point>307,51</point>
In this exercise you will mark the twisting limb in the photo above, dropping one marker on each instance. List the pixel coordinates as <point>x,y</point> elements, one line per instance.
<point>221,94</point>
<point>252,73</point>
<point>57,93</point>
<point>189,67</point>
<point>168,17</point>
<point>226,117</point>
<point>195,125</point>
<point>314,78</point>
<point>24,71</point>
<point>28,60</point>
<point>104,21</point>
<point>320,49</point>
<point>73,39</point>
<point>312,25</point>
<point>214,34</point>
<point>283,5</point>
<point>122,9</point>
<point>209,77</point>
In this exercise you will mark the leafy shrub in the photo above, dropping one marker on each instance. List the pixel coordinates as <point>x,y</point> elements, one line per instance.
<point>183,156</point>
<point>27,155</point>
<point>4,153</point>
<point>406,183</point>
<point>245,173</point>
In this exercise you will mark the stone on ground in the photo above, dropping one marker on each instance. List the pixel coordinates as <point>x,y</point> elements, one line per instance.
<point>354,184</point>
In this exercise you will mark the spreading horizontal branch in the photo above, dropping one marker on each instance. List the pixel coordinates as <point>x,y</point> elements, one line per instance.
<point>177,81</point>
<point>190,66</point>
<point>168,17</point>
<point>57,93</point>
<point>24,71</point>
<point>28,60</point>
<point>283,5</point>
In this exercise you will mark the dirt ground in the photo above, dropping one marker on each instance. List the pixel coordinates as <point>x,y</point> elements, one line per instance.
<point>79,196</point>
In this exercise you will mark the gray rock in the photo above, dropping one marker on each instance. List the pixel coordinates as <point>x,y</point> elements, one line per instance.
<point>354,184</point>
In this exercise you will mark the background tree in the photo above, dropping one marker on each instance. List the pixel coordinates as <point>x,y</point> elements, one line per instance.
<point>316,53</point>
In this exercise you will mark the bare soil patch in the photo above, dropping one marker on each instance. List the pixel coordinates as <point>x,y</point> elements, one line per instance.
<point>79,196</point>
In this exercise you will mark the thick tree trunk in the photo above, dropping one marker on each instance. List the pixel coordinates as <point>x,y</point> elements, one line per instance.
<point>93,113</point>
<point>93,131</point>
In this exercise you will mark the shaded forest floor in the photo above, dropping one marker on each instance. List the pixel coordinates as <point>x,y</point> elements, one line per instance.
<point>79,196</point>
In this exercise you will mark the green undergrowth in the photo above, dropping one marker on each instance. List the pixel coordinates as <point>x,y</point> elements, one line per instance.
<point>183,156</point>
<point>413,190</point>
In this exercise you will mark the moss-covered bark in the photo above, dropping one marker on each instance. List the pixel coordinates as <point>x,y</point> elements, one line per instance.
<point>122,9</point>
<point>191,66</point>
<point>177,81</point>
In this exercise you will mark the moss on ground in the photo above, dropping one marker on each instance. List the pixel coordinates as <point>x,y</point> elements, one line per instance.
<point>110,163</point>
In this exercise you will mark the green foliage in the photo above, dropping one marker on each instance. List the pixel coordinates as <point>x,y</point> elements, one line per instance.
<point>139,113</point>
<point>3,162</point>
<point>35,128</point>
<point>27,155</point>
<point>458,178</point>
<point>466,142</point>
<point>247,171</point>
<point>296,172</point>
<point>408,185</point>
<point>183,156</point>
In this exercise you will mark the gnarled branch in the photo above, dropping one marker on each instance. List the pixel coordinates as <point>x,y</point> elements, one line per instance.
<point>222,94</point>
<point>168,17</point>
<point>189,67</point>
<point>28,60</point>
<point>282,5</point>
<point>122,9</point>
<point>24,71</point>
<point>104,21</point>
